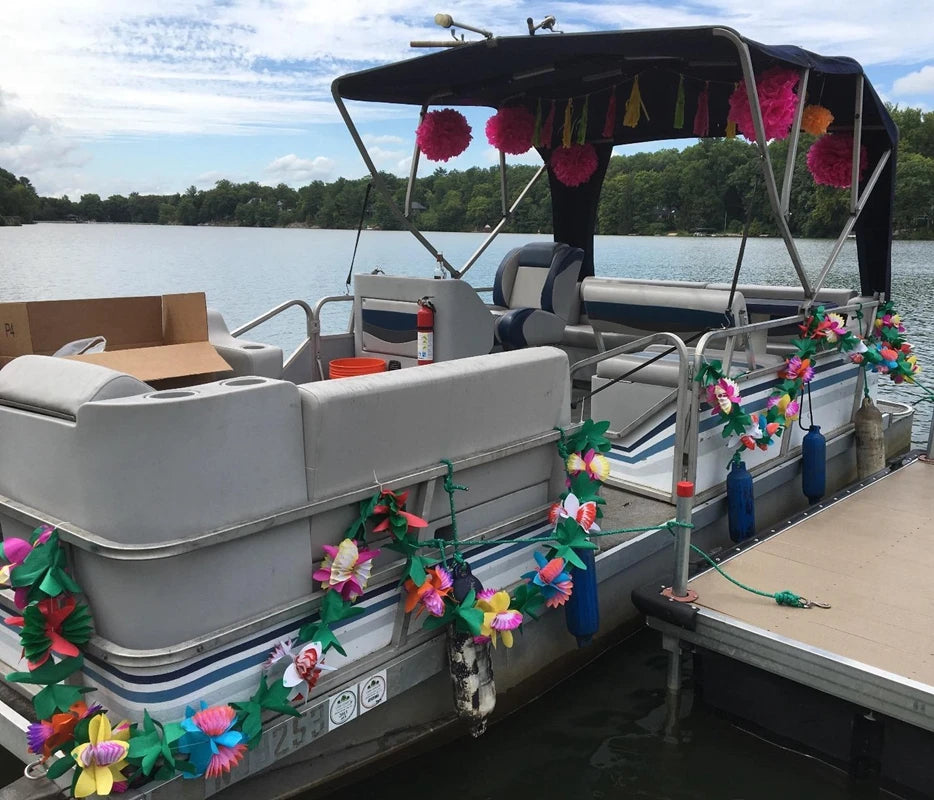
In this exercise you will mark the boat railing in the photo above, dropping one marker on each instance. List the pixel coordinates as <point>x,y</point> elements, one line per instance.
<point>683,416</point>
<point>864,308</point>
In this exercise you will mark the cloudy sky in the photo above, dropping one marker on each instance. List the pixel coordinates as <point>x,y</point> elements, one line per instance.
<point>114,96</point>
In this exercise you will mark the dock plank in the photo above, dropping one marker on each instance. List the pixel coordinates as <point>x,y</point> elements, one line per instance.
<point>870,556</point>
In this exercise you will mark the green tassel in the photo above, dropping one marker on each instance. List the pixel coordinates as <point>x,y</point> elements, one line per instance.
<point>582,122</point>
<point>566,130</point>
<point>679,105</point>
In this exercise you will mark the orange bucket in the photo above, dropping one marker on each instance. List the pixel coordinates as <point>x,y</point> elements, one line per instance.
<point>348,367</point>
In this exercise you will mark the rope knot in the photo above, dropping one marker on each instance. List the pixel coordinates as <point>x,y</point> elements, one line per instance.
<point>787,598</point>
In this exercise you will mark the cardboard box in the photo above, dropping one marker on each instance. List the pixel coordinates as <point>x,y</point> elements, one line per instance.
<point>155,339</point>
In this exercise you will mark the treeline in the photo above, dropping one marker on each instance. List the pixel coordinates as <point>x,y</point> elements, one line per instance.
<point>705,187</point>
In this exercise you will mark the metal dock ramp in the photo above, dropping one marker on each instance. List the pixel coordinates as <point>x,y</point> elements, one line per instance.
<point>868,660</point>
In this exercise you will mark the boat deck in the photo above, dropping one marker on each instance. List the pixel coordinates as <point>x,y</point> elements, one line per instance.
<point>869,553</point>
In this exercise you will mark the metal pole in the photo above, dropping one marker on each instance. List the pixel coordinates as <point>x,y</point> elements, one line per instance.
<point>683,538</point>
<point>931,439</point>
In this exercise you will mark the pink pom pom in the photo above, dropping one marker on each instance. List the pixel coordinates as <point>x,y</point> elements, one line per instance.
<point>443,134</point>
<point>574,165</point>
<point>777,99</point>
<point>830,160</point>
<point>511,129</point>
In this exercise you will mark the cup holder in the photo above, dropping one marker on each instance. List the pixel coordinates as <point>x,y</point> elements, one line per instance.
<point>244,382</point>
<point>171,394</point>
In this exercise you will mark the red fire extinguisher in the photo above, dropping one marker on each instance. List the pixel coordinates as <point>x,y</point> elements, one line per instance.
<point>425,325</point>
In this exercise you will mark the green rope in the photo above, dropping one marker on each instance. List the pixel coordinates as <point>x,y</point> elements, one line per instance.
<point>450,487</point>
<point>562,444</point>
<point>783,598</point>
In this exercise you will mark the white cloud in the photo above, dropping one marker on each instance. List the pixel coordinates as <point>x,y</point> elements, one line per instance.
<point>920,82</point>
<point>294,170</point>
<point>370,139</point>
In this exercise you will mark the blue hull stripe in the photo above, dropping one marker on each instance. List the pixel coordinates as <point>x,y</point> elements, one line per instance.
<point>621,453</point>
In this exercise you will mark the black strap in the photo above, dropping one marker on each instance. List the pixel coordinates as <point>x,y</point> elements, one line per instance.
<point>366,200</point>
<point>742,246</point>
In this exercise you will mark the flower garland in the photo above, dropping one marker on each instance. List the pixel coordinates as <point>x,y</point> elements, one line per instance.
<point>744,431</point>
<point>107,758</point>
<point>887,351</point>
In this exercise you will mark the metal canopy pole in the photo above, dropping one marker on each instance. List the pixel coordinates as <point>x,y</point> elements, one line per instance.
<point>851,220</point>
<point>857,140</point>
<point>416,153</point>
<point>745,61</point>
<point>793,144</point>
<point>381,187</point>
<point>499,225</point>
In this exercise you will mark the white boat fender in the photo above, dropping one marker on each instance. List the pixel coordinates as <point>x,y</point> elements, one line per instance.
<point>471,667</point>
<point>870,441</point>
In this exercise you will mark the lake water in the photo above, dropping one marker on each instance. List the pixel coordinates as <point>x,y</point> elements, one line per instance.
<point>246,271</point>
<point>598,736</point>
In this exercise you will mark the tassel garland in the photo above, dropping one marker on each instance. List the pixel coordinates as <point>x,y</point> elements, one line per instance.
<point>548,127</point>
<point>609,124</point>
<point>679,105</point>
<point>731,129</point>
<point>582,122</point>
<point>633,106</point>
<point>702,117</point>
<point>567,130</point>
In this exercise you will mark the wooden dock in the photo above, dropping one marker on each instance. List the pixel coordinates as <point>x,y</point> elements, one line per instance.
<point>868,553</point>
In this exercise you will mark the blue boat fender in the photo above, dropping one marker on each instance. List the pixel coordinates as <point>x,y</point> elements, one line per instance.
<point>741,502</point>
<point>582,610</point>
<point>814,464</point>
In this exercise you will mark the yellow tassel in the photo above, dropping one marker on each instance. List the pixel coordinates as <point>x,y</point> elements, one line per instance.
<point>731,129</point>
<point>633,105</point>
<point>567,131</point>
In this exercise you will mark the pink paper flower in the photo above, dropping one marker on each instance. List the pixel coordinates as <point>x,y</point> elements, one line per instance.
<point>437,585</point>
<point>798,368</point>
<point>345,569</point>
<point>302,674</point>
<point>510,129</point>
<point>574,165</point>
<point>596,465</point>
<point>14,551</point>
<point>443,134</point>
<point>723,395</point>
<point>830,160</point>
<point>777,99</point>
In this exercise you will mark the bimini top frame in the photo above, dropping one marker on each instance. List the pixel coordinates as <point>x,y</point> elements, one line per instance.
<point>536,71</point>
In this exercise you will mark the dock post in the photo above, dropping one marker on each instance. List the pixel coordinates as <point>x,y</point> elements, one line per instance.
<point>682,538</point>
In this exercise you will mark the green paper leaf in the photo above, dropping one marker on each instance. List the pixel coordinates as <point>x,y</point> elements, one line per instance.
<point>335,608</point>
<point>366,511</point>
<point>446,618</point>
<point>43,571</point>
<point>710,372</point>
<point>590,436</point>
<point>265,698</point>
<point>49,672</point>
<point>60,767</point>
<point>527,598</point>
<point>57,697</point>
<point>469,620</point>
<point>322,633</point>
<point>586,490</point>
<point>417,568</point>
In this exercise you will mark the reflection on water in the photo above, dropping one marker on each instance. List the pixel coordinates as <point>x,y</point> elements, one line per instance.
<point>600,735</point>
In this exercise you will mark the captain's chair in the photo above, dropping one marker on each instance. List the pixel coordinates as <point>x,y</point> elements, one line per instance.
<point>536,287</point>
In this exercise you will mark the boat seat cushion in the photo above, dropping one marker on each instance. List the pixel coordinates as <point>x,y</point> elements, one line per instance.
<point>393,423</point>
<point>542,275</point>
<point>60,386</point>
<point>528,327</point>
<point>664,371</point>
